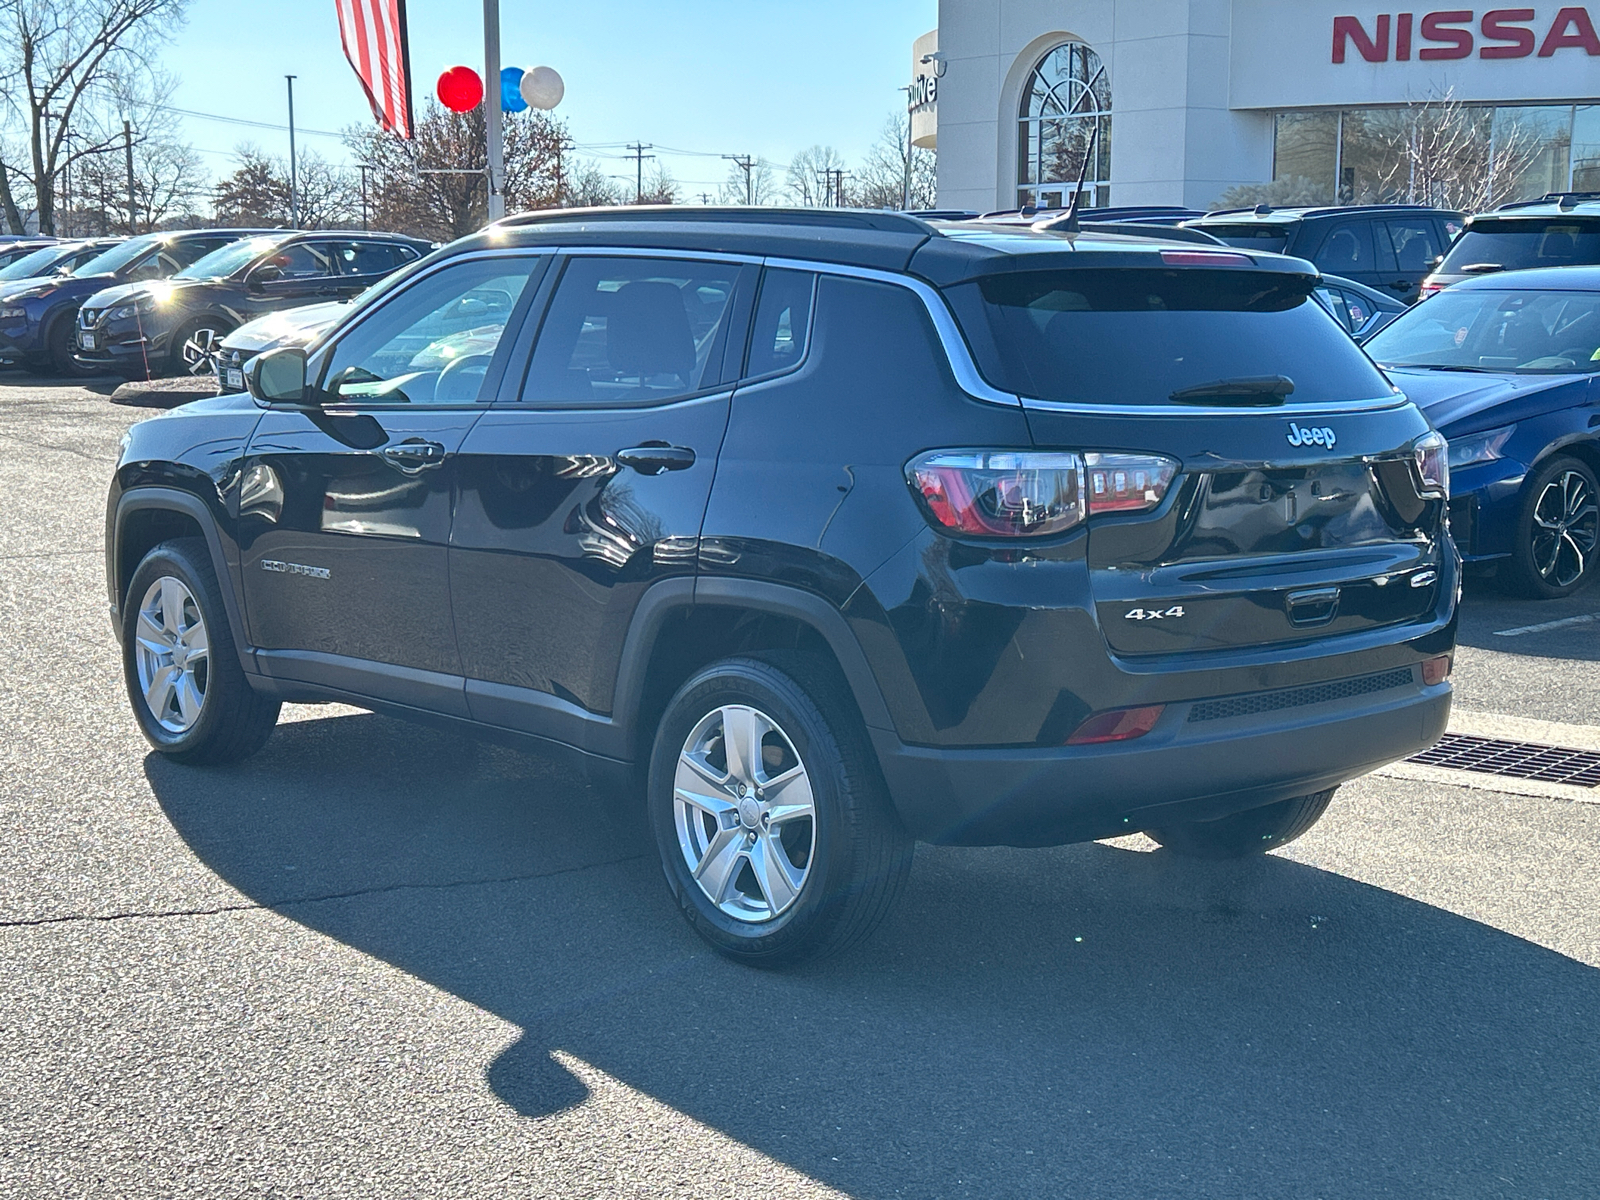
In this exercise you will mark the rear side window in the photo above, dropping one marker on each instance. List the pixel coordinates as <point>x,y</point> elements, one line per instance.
<point>782,323</point>
<point>1347,249</point>
<point>1137,336</point>
<point>631,331</point>
<point>371,258</point>
<point>1270,238</point>
<point>1415,243</point>
<point>1507,245</point>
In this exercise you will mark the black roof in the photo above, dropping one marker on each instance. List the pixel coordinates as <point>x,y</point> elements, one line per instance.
<point>942,252</point>
<point>1288,213</point>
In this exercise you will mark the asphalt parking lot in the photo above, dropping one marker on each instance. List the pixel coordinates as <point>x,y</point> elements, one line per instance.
<point>383,961</point>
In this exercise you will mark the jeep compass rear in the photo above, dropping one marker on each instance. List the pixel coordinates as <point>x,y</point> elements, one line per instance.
<point>835,531</point>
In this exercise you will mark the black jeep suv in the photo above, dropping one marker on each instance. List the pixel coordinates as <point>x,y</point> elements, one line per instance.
<point>836,529</point>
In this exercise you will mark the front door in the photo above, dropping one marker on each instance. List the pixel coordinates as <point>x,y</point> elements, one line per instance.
<point>345,507</point>
<point>591,485</point>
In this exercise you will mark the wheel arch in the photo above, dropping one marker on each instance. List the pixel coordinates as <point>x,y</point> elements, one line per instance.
<point>146,517</point>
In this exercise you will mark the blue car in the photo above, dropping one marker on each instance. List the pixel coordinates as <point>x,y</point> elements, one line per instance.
<point>1507,367</point>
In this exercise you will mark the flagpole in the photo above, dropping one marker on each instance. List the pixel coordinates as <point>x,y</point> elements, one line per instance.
<point>491,102</point>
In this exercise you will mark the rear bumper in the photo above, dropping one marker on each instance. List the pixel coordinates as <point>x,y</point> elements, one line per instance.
<point>1194,765</point>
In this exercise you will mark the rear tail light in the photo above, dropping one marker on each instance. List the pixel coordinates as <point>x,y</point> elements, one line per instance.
<point>1007,493</point>
<point>1428,289</point>
<point>1433,465</point>
<point>1116,725</point>
<point>1436,670</point>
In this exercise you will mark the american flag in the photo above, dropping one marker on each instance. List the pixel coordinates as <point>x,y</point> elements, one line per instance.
<point>374,37</point>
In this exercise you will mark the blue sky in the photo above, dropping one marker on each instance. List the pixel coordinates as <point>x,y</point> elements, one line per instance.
<point>759,77</point>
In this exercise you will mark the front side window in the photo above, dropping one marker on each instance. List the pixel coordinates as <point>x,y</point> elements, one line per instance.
<point>1065,104</point>
<point>632,331</point>
<point>1520,332</point>
<point>1347,249</point>
<point>303,260</point>
<point>1097,336</point>
<point>433,340</point>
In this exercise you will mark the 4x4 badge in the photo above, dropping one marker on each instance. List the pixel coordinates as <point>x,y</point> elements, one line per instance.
<point>1152,614</point>
<point>1305,435</point>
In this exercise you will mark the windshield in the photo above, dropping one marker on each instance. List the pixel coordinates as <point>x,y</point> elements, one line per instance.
<point>221,263</point>
<point>38,262</point>
<point>1138,336</point>
<point>1521,332</point>
<point>1508,245</point>
<point>119,256</point>
<point>1271,238</point>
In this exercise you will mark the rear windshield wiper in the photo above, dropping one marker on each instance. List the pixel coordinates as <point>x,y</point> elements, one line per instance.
<point>1481,268</point>
<point>1242,389</point>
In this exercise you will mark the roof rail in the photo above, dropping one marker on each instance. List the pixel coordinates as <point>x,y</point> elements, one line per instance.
<point>878,220</point>
<point>1559,199</point>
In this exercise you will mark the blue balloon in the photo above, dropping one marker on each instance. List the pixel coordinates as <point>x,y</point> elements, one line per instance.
<point>511,90</point>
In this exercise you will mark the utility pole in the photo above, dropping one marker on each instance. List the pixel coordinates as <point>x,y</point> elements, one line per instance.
<point>746,164</point>
<point>705,198</point>
<point>491,109</point>
<point>294,178</point>
<point>905,188</point>
<point>127,146</point>
<point>637,153</point>
<point>52,230</point>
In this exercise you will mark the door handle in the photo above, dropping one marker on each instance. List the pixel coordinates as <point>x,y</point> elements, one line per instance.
<point>653,458</point>
<point>414,455</point>
<point>1402,285</point>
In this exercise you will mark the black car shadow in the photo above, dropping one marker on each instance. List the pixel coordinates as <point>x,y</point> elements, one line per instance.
<point>1086,1021</point>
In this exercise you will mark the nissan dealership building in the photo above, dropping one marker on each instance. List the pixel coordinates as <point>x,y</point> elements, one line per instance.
<point>1184,100</point>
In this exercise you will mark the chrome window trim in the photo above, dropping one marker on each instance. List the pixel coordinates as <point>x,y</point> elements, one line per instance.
<point>972,382</point>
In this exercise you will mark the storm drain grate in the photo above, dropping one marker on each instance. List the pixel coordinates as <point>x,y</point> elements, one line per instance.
<point>1519,760</point>
<point>1319,693</point>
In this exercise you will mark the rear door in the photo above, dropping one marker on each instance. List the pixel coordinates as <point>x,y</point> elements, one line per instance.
<point>589,484</point>
<point>344,509</point>
<point>362,262</point>
<point>1414,243</point>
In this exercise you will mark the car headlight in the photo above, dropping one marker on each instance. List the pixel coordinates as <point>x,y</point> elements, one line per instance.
<point>122,312</point>
<point>1479,447</point>
<point>13,314</point>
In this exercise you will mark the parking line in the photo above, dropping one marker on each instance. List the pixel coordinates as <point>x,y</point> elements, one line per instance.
<point>1540,628</point>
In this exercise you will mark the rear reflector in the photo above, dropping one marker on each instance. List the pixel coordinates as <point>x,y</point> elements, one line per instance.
<point>1116,725</point>
<point>1205,258</point>
<point>1436,670</point>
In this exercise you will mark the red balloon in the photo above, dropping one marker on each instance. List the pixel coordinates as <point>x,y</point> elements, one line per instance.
<point>460,89</point>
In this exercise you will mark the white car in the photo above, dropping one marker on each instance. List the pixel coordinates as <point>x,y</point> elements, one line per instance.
<point>291,327</point>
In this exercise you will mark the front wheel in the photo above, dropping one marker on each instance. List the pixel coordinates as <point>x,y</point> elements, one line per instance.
<point>197,346</point>
<point>1242,835</point>
<point>773,824</point>
<point>1557,529</point>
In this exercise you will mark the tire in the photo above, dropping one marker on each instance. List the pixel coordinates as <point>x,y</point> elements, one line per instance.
<point>842,866</point>
<point>1248,833</point>
<point>59,350</point>
<point>1557,529</point>
<point>195,345</point>
<point>193,707</point>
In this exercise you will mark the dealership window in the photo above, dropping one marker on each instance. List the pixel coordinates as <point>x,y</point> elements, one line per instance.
<point>1066,101</point>
<point>1460,156</point>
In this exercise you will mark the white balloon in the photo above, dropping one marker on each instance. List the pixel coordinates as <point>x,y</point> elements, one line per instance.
<point>542,87</point>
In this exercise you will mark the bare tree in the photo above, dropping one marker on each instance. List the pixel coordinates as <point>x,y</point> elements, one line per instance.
<point>1443,152</point>
<point>812,176</point>
<point>168,184</point>
<point>881,180</point>
<point>54,55</point>
<point>659,187</point>
<point>587,186</point>
<point>761,187</point>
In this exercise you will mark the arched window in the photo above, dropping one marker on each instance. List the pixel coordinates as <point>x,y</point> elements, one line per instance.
<point>1066,98</point>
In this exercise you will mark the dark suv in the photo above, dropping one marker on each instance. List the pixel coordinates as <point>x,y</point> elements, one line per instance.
<point>1390,247</point>
<point>178,324</point>
<point>1558,230</point>
<point>838,530</point>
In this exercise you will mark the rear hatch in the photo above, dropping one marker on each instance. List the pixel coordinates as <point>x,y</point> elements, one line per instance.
<point>1493,244</point>
<point>1297,507</point>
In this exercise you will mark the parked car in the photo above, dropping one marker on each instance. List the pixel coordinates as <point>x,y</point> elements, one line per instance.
<point>27,290</point>
<point>1360,309</point>
<point>1505,367</point>
<point>834,530</point>
<point>16,248</point>
<point>1387,247</point>
<point>50,307</point>
<point>177,324</point>
<point>290,327</point>
<point>1561,229</point>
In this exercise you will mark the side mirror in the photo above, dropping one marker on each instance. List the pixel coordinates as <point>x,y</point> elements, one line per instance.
<point>1433,263</point>
<point>265,273</point>
<point>277,376</point>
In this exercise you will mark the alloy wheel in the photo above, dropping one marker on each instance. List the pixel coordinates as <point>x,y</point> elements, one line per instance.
<point>172,654</point>
<point>200,350</point>
<point>1566,524</point>
<point>745,814</point>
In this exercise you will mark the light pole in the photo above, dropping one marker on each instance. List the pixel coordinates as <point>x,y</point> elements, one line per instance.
<point>127,146</point>
<point>905,187</point>
<point>294,178</point>
<point>491,108</point>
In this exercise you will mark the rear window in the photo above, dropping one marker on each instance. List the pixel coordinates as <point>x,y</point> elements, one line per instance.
<point>1509,245</point>
<point>1270,238</point>
<point>1137,336</point>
